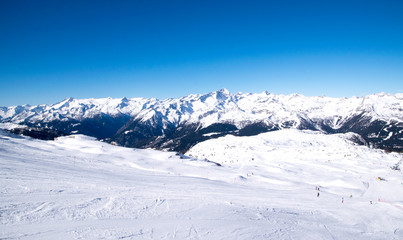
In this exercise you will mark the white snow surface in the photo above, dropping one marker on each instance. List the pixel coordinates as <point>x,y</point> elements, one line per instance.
<point>78,188</point>
<point>215,107</point>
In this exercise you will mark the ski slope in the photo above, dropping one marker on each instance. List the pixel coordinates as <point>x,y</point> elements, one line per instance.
<point>260,187</point>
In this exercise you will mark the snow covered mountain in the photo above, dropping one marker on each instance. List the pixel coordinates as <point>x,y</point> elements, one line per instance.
<point>258,187</point>
<point>178,124</point>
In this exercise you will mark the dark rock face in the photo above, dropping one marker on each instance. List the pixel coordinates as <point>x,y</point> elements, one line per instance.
<point>101,126</point>
<point>255,129</point>
<point>177,139</point>
<point>38,133</point>
<point>378,134</point>
<point>136,133</point>
<point>132,132</point>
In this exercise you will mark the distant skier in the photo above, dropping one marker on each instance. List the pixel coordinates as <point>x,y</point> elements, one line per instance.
<point>317,195</point>
<point>342,200</point>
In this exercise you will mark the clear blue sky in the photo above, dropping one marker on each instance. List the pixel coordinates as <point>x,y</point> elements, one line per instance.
<point>50,50</point>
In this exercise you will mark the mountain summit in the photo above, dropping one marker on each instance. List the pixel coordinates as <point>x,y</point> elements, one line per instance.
<point>180,123</point>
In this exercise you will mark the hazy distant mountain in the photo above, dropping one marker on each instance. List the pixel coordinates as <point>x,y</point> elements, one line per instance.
<point>178,124</point>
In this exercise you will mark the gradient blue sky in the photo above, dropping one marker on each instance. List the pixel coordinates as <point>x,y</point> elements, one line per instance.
<point>50,50</point>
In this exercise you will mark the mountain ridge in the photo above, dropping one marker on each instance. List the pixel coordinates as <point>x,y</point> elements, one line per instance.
<point>179,123</point>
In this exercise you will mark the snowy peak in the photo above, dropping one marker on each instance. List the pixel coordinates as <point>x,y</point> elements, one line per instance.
<point>76,109</point>
<point>65,103</point>
<point>218,106</point>
<point>216,98</point>
<point>223,94</point>
<point>156,123</point>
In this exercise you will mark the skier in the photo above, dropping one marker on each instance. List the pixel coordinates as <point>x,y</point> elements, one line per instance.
<point>317,195</point>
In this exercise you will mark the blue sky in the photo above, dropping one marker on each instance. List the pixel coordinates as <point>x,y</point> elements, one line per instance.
<point>50,50</point>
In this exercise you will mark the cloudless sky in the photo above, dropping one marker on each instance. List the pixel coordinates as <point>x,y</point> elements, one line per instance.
<point>50,50</point>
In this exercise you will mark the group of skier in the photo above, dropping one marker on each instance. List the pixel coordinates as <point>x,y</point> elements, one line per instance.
<point>342,199</point>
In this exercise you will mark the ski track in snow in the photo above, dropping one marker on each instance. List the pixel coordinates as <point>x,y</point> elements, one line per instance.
<point>79,188</point>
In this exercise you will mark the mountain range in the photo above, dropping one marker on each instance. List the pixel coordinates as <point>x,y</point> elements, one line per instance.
<point>177,124</point>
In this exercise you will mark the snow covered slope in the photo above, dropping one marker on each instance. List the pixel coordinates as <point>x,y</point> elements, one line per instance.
<point>78,188</point>
<point>169,124</point>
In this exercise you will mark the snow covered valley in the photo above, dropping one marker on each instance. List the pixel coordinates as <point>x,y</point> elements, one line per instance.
<point>287,184</point>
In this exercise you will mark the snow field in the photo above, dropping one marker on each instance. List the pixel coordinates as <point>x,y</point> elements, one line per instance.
<point>79,188</point>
